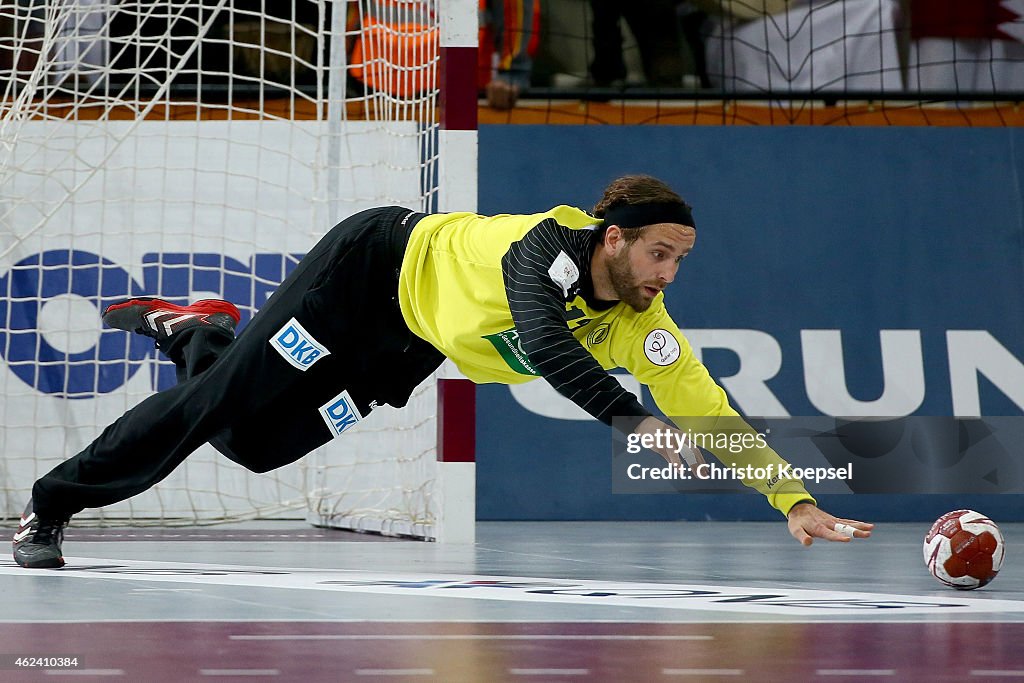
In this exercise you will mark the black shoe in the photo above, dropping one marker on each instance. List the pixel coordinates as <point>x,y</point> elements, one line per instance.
<point>37,543</point>
<point>161,319</point>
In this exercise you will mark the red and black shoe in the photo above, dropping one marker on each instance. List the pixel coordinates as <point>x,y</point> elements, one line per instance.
<point>161,319</point>
<point>37,544</point>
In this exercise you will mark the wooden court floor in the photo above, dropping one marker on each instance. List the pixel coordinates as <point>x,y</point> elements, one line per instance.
<point>528,602</point>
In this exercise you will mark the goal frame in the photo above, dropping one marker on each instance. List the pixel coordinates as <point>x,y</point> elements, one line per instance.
<point>454,187</point>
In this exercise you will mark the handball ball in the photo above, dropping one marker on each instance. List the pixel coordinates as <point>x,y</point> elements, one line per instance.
<point>964,549</point>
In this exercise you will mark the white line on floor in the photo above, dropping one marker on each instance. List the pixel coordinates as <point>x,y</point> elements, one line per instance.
<point>549,672</point>
<point>1005,673</point>
<point>1010,618</point>
<point>467,636</point>
<point>394,672</point>
<point>855,672</point>
<point>85,672</point>
<point>240,672</point>
<point>702,672</point>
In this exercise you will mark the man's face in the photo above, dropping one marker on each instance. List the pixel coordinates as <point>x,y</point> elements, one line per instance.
<point>638,271</point>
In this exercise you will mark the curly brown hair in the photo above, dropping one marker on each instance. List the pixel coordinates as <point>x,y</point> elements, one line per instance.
<point>635,189</point>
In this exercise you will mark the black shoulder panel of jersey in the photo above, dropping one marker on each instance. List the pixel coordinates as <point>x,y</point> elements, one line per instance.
<point>542,271</point>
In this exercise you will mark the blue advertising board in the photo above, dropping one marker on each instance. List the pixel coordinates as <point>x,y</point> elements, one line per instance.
<point>837,271</point>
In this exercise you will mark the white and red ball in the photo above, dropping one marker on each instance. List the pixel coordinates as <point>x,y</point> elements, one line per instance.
<point>964,549</point>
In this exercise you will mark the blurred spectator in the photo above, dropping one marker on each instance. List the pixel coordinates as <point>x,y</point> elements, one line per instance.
<point>804,45</point>
<point>81,44</point>
<point>654,24</point>
<point>400,57</point>
<point>966,46</point>
<point>270,43</point>
<point>509,32</point>
<point>149,41</point>
<point>73,36</point>
<point>692,22</point>
<point>15,36</point>
<point>396,48</point>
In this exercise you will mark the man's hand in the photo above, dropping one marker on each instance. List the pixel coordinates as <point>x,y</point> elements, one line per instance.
<point>502,94</point>
<point>690,454</point>
<point>807,522</point>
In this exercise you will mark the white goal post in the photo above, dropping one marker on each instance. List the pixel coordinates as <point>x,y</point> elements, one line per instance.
<point>197,149</point>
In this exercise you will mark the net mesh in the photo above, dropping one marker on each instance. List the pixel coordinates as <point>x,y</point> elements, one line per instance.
<point>187,150</point>
<point>776,62</point>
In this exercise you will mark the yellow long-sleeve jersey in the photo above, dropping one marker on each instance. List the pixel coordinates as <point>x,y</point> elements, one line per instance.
<point>509,298</point>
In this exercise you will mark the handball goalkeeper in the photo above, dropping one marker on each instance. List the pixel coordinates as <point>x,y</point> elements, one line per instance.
<point>376,306</point>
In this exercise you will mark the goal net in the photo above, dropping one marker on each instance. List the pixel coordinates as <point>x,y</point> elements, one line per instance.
<point>775,62</point>
<point>197,149</point>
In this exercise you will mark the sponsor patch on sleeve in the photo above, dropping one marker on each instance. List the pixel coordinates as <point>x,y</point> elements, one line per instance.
<point>297,346</point>
<point>661,347</point>
<point>340,413</point>
<point>564,272</point>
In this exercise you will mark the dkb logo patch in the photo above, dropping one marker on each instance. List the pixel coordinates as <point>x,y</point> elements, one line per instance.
<point>297,346</point>
<point>340,413</point>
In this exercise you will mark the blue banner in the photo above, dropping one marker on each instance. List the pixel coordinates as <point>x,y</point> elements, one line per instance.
<point>837,271</point>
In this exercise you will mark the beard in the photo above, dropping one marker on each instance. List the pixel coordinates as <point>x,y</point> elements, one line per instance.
<point>625,283</point>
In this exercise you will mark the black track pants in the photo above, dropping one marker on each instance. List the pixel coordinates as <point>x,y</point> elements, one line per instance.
<point>327,347</point>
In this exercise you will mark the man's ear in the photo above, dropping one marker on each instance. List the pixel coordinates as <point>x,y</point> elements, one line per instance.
<point>613,239</point>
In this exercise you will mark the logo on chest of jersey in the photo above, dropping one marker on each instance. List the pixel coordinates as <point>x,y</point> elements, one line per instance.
<point>340,413</point>
<point>511,351</point>
<point>297,346</point>
<point>598,334</point>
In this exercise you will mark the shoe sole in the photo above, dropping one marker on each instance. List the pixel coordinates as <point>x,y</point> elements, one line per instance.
<point>48,564</point>
<point>127,315</point>
<point>51,563</point>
